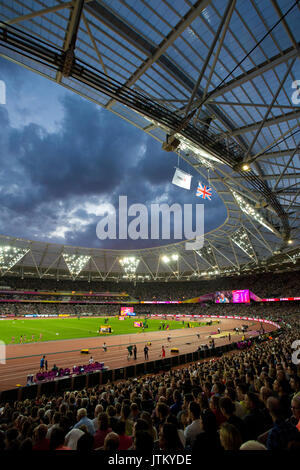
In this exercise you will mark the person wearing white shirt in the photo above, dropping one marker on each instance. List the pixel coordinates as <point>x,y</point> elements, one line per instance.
<point>193,429</point>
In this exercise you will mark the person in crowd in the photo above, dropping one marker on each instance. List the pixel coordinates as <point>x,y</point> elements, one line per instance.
<point>295,386</point>
<point>57,440</point>
<point>215,408</point>
<point>125,442</point>
<point>208,440</point>
<point>177,403</point>
<point>111,443</point>
<point>103,430</point>
<point>169,441</point>
<point>55,423</point>
<point>98,410</point>
<point>151,429</point>
<point>85,443</point>
<point>239,409</point>
<point>40,440</point>
<point>230,437</point>
<point>282,432</point>
<point>255,421</point>
<point>161,412</point>
<point>72,438</point>
<point>295,407</point>
<point>82,419</point>
<point>12,442</point>
<point>173,420</point>
<point>228,410</point>
<point>125,416</point>
<point>252,445</point>
<point>195,427</point>
<point>112,415</point>
<point>134,412</point>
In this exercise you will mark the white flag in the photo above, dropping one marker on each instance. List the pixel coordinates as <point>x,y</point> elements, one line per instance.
<point>182,179</point>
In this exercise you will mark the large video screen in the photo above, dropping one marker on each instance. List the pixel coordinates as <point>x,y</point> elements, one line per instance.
<point>127,311</point>
<point>232,296</point>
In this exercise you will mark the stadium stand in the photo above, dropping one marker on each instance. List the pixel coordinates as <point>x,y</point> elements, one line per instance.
<point>264,285</point>
<point>246,400</point>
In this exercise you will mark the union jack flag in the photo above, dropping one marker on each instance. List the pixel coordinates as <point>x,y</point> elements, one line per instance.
<point>203,191</point>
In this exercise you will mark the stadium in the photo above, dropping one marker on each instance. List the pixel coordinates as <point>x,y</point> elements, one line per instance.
<point>156,348</point>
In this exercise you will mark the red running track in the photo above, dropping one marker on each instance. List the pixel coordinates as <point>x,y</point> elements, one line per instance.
<point>23,359</point>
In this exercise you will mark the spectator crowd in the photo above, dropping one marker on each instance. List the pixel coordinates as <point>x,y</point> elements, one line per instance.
<point>265,285</point>
<point>249,400</point>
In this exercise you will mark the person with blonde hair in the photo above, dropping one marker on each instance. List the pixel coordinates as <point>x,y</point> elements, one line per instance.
<point>252,445</point>
<point>230,437</point>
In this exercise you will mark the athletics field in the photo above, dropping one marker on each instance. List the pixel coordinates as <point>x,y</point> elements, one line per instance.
<point>53,329</point>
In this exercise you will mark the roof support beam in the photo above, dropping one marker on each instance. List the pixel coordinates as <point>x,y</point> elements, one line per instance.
<point>253,105</point>
<point>268,177</point>
<point>228,15</point>
<point>203,69</point>
<point>72,30</point>
<point>266,123</point>
<point>285,25</point>
<point>166,42</point>
<point>293,200</point>
<point>279,139</point>
<point>282,175</point>
<point>259,70</point>
<point>262,123</point>
<point>35,14</point>
<point>92,39</point>
<point>280,153</point>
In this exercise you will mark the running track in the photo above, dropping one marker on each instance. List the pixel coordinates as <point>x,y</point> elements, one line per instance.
<point>23,359</point>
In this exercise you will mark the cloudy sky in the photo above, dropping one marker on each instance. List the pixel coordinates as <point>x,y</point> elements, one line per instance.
<point>63,157</point>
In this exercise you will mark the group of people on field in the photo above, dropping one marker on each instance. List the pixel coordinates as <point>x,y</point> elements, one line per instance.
<point>23,339</point>
<point>132,351</point>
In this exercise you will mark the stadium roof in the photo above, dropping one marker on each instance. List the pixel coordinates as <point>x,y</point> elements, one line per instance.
<point>214,81</point>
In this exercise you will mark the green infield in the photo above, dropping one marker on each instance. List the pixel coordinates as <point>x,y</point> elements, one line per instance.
<point>53,329</point>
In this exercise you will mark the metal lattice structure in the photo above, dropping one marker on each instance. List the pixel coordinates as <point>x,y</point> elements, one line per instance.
<point>215,81</point>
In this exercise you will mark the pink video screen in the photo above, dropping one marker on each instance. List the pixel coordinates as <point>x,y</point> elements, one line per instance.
<point>126,311</point>
<point>240,296</point>
<point>233,296</point>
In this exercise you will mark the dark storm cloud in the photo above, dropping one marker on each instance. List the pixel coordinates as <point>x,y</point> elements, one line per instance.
<point>52,181</point>
<point>88,155</point>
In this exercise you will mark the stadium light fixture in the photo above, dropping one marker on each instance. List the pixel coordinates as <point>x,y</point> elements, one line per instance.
<point>10,255</point>
<point>75,263</point>
<point>204,157</point>
<point>208,255</point>
<point>129,265</point>
<point>246,167</point>
<point>248,209</point>
<point>241,239</point>
<point>168,259</point>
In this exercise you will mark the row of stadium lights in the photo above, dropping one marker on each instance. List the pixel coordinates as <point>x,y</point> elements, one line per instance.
<point>9,256</point>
